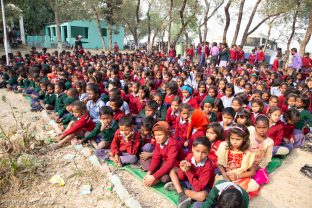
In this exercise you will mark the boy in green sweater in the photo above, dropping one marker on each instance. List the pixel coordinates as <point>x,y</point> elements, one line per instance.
<point>68,117</point>
<point>226,194</point>
<point>59,107</point>
<point>102,135</point>
<point>48,101</point>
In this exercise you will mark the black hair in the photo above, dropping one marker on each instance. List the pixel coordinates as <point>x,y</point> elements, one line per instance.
<point>218,103</point>
<point>259,102</point>
<point>217,128</point>
<point>239,100</point>
<point>231,198</point>
<point>229,111</point>
<point>80,105</point>
<point>291,115</point>
<point>126,121</point>
<point>94,88</point>
<point>177,99</point>
<point>106,110</point>
<point>263,118</point>
<point>148,123</point>
<point>242,131</point>
<point>256,91</point>
<point>117,100</point>
<point>50,86</point>
<point>229,85</point>
<point>186,106</point>
<point>146,91</point>
<point>203,141</point>
<point>305,100</point>
<point>173,87</point>
<point>152,104</point>
<point>61,85</point>
<point>74,92</point>
<point>246,113</point>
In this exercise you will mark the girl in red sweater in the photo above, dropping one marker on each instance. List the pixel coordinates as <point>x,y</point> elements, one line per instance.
<point>166,155</point>
<point>195,174</point>
<point>126,143</point>
<point>173,112</point>
<point>202,92</point>
<point>276,131</point>
<point>78,128</point>
<point>215,135</point>
<point>181,123</point>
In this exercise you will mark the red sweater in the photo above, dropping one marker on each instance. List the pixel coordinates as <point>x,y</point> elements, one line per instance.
<point>119,144</point>
<point>164,159</point>
<point>212,153</point>
<point>198,177</point>
<point>241,55</point>
<point>180,130</point>
<point>233,55</point>
<point>171,119</point>
<point>193,102</point>
<point>306,62</point>
<point>261,56</point>
<point>84,123</point>
<point>252,58</point>
<point>172,53</point>
<point>198,133</point>
<point>148,139</point>
<point>169,98</point>
<point>275,65</point>
<point>200,98</point>
<point>118,115</point>
<point>276,133</point>
<point>288,131</point>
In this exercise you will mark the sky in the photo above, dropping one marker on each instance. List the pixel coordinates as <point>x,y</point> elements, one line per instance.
<point>215,26</point>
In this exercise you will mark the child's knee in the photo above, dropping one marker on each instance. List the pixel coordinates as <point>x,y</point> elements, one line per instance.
<point>147,148</point>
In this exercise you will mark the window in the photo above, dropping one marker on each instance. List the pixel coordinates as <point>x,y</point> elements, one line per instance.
<point>251,41</point>
<point>104,32</point>
<point>83,31</point>
<point>49,32</point>
<point>53,31</point>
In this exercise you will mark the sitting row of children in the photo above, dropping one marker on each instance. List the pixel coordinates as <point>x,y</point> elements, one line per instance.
<point>191,150</point>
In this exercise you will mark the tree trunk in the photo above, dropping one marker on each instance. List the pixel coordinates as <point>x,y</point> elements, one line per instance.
<point>183,22</point>
<point>100,29</point>
<point>136,37</point>
<point>307,36</point>
<point>245,35</point>
<point>286,57</point>
<point>206,19</point>
<point>110,33</point>
<point>239,19</point>
<point>170,22</point>
<point>58,29</point>
<point>200,35</point>
<point>227,20</point>
<point>149,31</point>
<point>268,36</point>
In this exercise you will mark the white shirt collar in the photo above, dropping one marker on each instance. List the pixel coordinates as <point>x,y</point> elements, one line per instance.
<point>185,100</point>
<point>197,165</point>
<point>164,144</point>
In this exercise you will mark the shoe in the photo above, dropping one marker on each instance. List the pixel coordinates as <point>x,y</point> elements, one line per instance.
<point>307,166</point>
<point>169,186</point>
<point>184,201</point>
<point>306,172</point>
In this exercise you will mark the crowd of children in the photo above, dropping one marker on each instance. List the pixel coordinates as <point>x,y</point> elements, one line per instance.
<point>208,131</point>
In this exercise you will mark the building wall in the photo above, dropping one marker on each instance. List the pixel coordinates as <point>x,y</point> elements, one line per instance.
<point>93,40</point>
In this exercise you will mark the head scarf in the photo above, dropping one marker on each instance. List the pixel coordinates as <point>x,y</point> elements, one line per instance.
<point>208,99</point>
<point>187,88</point>
<point>162,126</point>
<point>199,121</point>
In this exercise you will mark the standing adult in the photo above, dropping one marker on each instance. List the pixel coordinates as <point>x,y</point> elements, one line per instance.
<point>296,60</point>
<point>224,55</point>
<point>78,43</point>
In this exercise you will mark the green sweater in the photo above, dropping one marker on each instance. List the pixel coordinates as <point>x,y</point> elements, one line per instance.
<point>12,80</point>
<point>68,118</point>
<point>49,99</point>
<point>161,113</point>
<point>107,134</point>
<point>59,107</point>
<point>305,118</point>
<point>212,199</point>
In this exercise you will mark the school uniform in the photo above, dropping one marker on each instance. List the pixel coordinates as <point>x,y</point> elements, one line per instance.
<point>49,99</point>
<point>106,135</point>
<point>180,130</point>
<point>227,102</point>
<point>213,150</point>
<point>84,123</point>
<point>94,109</point>
<point>200,97</point>
<point>200,175</point>
<point>169,98</point>
<point>59,107</point>
<point>171,117</point>
<point>191,101</point>
<point>118,115</point>
<point>165,157</point>
<point>127,150</point>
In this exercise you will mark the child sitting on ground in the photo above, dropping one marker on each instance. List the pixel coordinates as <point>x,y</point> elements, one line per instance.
<point>126,143</point>
<point>195,173</point>
<point>59,107</point>
<point>77,129</point>
<point>228,115</point>
<point>214,134</point>
<point>148,142</point>
<point>263,148</point>
<point>102,135</point>
<point>48,102</point>
<point>182,123</point>
<point>68,117</point>
<point>95,103</point>
<point>166,155</point>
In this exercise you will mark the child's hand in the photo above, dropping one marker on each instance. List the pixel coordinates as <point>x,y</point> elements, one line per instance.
<point>59,138</point>
<point>186,144</point>
<point>149,180</point>
<point>188,166</point>
<point>183,165</point>
<point>117,160</point>
<point>292,140</point>
<point>128,137</point>
<point>145,155</point>
<point>232,176</point>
